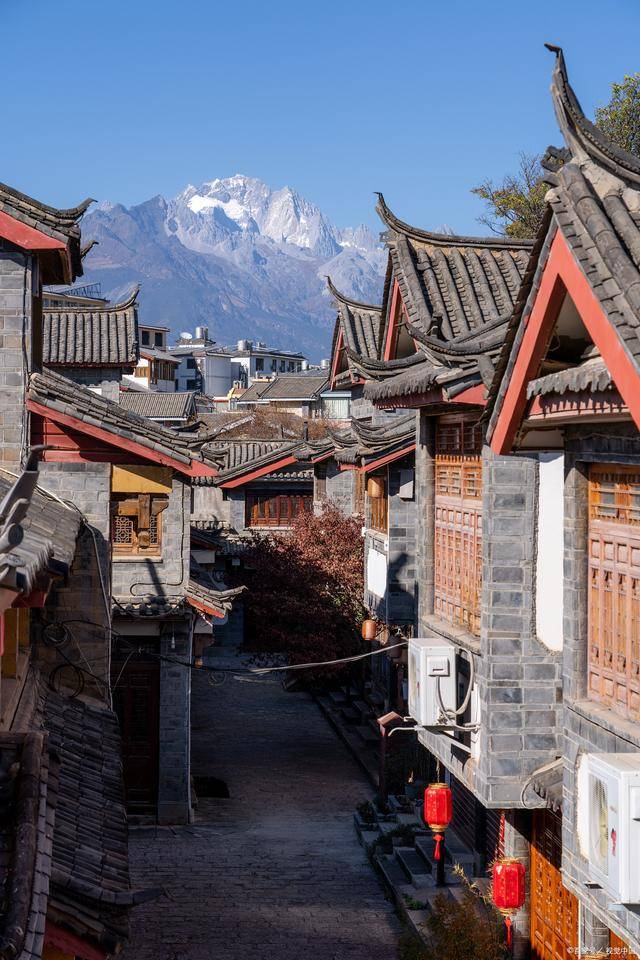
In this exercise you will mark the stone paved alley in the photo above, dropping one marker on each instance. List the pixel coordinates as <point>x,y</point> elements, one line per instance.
<point>275,871</point>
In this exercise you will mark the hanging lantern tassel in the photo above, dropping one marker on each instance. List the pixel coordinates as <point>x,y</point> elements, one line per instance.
<point>438,811</point>
<point>508,925</point>
<point>438,839</point>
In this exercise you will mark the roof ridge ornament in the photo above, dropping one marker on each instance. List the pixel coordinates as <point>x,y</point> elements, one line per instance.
<point>584,139</point>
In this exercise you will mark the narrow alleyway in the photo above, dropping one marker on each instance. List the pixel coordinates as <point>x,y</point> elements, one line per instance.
<point>275,870</point>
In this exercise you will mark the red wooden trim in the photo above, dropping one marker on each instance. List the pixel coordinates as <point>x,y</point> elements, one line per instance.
<point>204,607</point>
<point>393,321</point>
<point>36,599</point>
<point>562,275</point>
<point>348,466</point>
<point>555,406</point>
<point>193,469</point>
<point>336,359</point>
<point>55,936</point>
<point>475,395</point>
<point>390,457</point>
<point>321,457</point>
<point>25,236</point>
<point>260,472</point>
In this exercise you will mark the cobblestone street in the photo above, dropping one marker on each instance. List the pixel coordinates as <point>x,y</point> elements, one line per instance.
<point>275,871</point>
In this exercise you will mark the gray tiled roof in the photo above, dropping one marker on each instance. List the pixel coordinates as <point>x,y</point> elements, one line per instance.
<point>50,531</point>
<point>458,293</point>
<point>90,891</point>
<point>590,375</point>
<point>105,335</point>
<point>204,587</point>
<point>159,405</point>
<point>27,803</point>
<point>59,224</point>
<point>361,326</point>
<point>59,394</point>
<point>594,201</point>
<point>292,386</point>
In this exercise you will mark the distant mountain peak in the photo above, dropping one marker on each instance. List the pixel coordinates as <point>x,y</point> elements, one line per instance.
<point>238,255</point>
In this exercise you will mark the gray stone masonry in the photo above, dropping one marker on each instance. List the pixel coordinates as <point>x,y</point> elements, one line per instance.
<point>174,775</point>
<point>340,487</point>
<point>16,282</point>
<point>518,679</point>
<point>79,600</point>
<point>209,504</point>
<point>589,727</point>
<point>106,379</point>
<point>401,581</point>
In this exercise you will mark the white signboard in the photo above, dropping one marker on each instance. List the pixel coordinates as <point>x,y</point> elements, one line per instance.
<point>377,573</point>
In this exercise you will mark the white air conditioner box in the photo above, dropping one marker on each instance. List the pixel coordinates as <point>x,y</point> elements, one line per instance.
<point>609,822</point>
<point>431,661</point>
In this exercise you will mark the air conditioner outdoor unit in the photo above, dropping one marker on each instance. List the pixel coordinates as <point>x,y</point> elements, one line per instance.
<point>432,660</point>
<point>609,822</point>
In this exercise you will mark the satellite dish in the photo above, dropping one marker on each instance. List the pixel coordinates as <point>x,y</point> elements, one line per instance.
<point>186,336</point>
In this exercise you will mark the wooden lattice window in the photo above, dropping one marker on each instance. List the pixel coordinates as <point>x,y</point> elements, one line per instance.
<point>458,523</point>
<point>136,524</point>
<point>271,509</point>
<point>614,588</point>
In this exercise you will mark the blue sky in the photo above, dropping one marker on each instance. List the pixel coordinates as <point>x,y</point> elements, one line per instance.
<point>125,99</point>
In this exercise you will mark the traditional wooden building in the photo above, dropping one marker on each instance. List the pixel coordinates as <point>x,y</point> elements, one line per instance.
<point>567,391</point>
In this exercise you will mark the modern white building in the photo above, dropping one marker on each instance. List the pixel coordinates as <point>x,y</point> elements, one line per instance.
<point>219,371</point>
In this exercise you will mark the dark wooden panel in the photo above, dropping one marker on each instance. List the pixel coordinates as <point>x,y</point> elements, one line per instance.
<point>136,700</point>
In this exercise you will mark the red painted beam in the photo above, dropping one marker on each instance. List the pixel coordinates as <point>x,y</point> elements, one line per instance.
<point>336,359</point>
<point>26,237</point>
<point>67,942</point>
<point>193,469</point>
<point>204,608</point>
<point>390,458</point>
<point>561,276</point>
<point>256,474</point>
<point>394,312</point>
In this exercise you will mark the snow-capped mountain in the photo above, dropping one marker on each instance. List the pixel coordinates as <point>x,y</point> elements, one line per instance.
<point>237,256</point>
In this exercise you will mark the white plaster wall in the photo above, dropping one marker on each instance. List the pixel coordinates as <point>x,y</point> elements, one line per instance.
<point>550,550</point>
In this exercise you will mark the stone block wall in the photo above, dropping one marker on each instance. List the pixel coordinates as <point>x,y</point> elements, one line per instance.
<point>174,776</point>
<point>79,600</point>
<point>17,277</point>
<point>106,379</point>
<point>401,588</point>
<point>340,487</point>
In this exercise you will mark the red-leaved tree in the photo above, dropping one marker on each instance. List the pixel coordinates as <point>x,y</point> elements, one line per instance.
<point>305,589</point>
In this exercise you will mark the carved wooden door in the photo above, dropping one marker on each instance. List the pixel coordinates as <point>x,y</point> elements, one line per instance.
<point>554,911</point>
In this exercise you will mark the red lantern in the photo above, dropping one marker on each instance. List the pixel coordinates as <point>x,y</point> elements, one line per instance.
<point>369,629</point>
<point>508,889</point>
<point>438,810</point>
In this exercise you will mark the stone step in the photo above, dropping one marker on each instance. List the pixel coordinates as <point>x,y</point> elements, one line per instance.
<point>391,870</point>
<point>337,697</point>
<point>413,865</point>
<point>367,735</point>
<point>363,708</point>
<point>425,846</point>
<point>349,715</point>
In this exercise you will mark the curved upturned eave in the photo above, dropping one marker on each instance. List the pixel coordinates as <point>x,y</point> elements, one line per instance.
<point>445,239</point>
<point>72,214</point>
<point>580,132</point>
<point>356,304</point>
<point>107,308</point>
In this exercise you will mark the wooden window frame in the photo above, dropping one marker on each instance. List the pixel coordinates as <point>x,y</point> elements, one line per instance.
<point>458,522</point>
<point>359,491</point>
<point>273,508</point>
<point>145,511</point>
<point>379,506</point>
<point>613,644</point>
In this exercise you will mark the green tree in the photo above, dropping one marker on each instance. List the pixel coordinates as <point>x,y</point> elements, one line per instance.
<point>515,206</point>
<point>619,120</point>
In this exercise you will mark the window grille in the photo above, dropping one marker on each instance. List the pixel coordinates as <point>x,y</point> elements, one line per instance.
<point>614,588</point>
<point>379,507</point>
<point>271,509</point>
<point>458,523</point>
<point>136,524</point>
